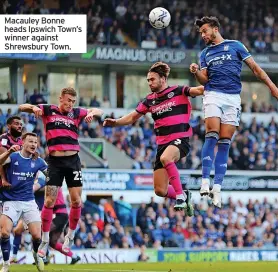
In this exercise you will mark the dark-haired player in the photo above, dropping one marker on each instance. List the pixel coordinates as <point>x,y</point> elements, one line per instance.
<point>7,139</point>
<point>11,137</point>
<point>170,109</point>
<point>61,124</point>
<point>219,72</point>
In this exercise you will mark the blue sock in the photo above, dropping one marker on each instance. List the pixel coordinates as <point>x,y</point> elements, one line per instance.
<point>211,139</point>
<point>6,248</point>
<point>221,160</point>
<point>16,244</point>
<point>36,244</point>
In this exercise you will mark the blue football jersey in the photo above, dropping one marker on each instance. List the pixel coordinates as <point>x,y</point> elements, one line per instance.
<point>224,64</point>
<point>21,173</point>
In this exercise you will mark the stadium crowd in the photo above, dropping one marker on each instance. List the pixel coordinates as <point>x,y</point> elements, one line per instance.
<point>153,225</point>
<point>109,22</point>
<point>253,147</point>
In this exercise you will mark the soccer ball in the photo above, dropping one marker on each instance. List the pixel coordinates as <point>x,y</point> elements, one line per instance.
<point>159,18</point>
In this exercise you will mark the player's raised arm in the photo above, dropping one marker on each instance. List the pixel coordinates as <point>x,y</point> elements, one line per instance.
<point>262,75</point>
<point>92,113</point>
<point>5,157</point>
<point>30,109</point>
<point>201,75</point>
<point>123,121</point>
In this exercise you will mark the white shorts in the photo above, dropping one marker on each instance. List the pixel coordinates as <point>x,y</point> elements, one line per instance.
<point>225,106</point>
<point>27,210</point>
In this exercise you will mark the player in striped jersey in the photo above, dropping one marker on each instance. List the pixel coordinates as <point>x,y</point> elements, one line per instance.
<point>61,126</point>
<point>170,109</point>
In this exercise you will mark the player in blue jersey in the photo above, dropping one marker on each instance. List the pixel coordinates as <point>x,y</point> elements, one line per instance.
<point>220,67</point>
<point>19,200</point>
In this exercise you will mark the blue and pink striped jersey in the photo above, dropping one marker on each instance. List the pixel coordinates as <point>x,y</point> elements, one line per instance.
<point>171,110</point>
<point>62,129</point>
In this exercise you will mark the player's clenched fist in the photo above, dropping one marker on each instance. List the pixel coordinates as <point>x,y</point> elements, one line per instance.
<point>37,111</point>
<point>14,148</point>
<point>194,68</point>
<point>108,122</point>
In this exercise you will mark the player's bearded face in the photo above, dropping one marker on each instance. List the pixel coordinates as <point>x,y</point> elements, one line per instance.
<point>16,128</point>
<point>208,34</point>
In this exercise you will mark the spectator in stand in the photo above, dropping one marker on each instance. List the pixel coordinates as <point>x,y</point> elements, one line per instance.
<point>36,98</point>
<point>26,95</point>
<point>9,99</point>
<point>94,102</point>
<point>82,103</point>
<point>108,20</point>
<point>105,103</point>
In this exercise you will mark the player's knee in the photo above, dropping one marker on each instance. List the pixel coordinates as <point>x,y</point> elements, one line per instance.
<point>18,231</point>
<point>76,202</point>
<point>36,236</point>
<point>5,234</point>
<point>160,191</point>
<point>165,159</point>
<point>49,202</point>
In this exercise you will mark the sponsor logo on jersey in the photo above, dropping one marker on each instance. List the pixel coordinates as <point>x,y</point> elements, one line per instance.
<point>170,95</point>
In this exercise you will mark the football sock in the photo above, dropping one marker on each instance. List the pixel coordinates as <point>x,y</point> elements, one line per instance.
<point>211,139</point>
<point>74,216</point>
<point>58,247</point>
<point>6,248</point>
<point>221,160</point>
<point>174,177</point>
<point>46,215</point>
<point>16,244</point>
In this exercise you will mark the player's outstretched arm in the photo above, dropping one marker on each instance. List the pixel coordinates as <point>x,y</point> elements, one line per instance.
<point>262,75</point>
<point>30,109</point>
<point>196,91</point>
<point>123,121</point>
<point>5,157</point>
<point>92,113</point>
<point>95,111</point>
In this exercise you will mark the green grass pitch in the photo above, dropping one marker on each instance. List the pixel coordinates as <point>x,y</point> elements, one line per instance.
<point>159,267</point>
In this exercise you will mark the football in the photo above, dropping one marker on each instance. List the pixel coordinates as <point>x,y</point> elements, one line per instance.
<point>159,18</point>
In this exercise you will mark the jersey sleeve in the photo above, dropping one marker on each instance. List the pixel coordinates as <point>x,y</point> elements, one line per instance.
<point>45,109</point>
<point>42,164</point>
<point>242,51</point>
<point>82,112</point>
<point>4,142</point>
<point>186,90</point>
<point>42,181</point>
<point>203,63</point>
<point>142,107</point>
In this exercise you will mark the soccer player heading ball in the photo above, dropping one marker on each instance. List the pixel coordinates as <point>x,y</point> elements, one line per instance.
<point>171,110</point>
<point>219,72</point>
<point>61,125</point>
